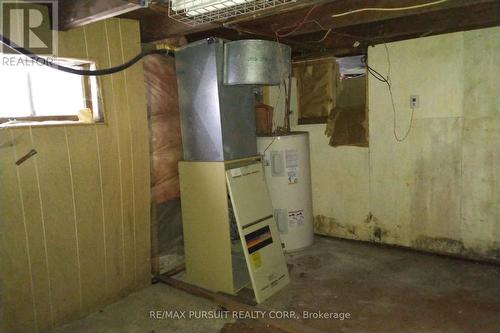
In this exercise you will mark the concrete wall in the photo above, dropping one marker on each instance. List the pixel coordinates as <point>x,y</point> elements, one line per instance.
<point>439,190</point>
<point>74,223</point>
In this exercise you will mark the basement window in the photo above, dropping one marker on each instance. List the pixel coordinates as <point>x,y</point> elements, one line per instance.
<point>34,93</point>
<point>333,91</point>
<point>348,120</point>
<point>315,89</point>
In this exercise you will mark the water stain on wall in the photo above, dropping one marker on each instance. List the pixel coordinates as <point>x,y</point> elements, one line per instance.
<point>330,226</point>
<point>440,245</point>
<point>447,246</point>
<point>370,230</point>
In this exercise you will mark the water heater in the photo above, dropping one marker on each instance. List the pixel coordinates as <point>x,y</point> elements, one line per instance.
<point>288,177</point>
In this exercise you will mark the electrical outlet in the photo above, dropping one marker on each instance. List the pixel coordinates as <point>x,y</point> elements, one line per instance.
<point>414,101</point>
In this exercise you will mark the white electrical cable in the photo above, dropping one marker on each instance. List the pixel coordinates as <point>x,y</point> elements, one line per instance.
<point>392,9</point>
<point>389,86</point>
<point>7,123</point>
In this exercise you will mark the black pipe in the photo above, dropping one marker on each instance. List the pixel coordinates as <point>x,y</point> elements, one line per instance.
<point>85,72</point>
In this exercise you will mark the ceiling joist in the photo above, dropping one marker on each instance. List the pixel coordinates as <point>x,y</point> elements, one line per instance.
<point>308,25</point>
<point>77,13</point>
<point>352,34</point>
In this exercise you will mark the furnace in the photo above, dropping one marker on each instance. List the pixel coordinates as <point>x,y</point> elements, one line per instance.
<point>222,174</point>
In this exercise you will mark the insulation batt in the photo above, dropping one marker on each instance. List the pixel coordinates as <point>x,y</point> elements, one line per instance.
<point>164,118</point>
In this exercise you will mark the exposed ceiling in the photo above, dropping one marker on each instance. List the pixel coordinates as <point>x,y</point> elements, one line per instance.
<point>308,25</point>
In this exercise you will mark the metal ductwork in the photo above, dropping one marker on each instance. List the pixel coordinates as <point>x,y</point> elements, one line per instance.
<point>218,119</point>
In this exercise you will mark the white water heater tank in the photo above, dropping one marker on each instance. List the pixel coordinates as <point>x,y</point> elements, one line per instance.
<point>288,177</point>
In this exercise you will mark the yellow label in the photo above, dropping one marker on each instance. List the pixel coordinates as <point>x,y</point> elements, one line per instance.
<point>256,260</point>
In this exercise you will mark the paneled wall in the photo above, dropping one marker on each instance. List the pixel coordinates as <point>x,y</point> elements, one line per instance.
<point>75,223</point>
<point>439,190</point>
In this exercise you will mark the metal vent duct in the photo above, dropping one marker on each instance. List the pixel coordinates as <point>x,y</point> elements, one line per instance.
<point>257,62</point>
<point>217,119</point>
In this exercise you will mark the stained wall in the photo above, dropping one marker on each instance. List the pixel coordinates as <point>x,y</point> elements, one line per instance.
<point>439,190</point>
<point>75,218</point>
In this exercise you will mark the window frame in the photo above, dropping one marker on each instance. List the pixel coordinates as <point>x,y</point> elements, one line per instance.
<point>91,91</point>
<point>328,61</point>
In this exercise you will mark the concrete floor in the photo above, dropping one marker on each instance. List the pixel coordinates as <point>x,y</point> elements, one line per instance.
<point>383,290</point>
<point>132,314</point>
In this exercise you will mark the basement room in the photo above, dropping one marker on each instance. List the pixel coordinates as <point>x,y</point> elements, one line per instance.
<point>243,166</point>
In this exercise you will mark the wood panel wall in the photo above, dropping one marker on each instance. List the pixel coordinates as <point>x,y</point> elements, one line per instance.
<point>74,219</point>
<point>439,190</point>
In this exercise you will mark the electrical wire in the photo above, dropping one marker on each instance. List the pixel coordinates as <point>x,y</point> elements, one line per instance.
<point>83,72</point>
<point>393,9</point>
<point>387,81</point>
<point>264,152</point>
<point>324,37</point>
<point>330,31</point>
<point>6,125</point>
<point>287,104</point>
<point>377,75</point>
<point>304,21</point>
<point>296,26</point>
<point>275,134</point>
<point>405,136</point>
<point>338,33</point>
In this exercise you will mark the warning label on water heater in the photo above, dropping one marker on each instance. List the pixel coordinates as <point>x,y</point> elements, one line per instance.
<point>296,218</point>
<point>292,166</point>
<point>292,158</point>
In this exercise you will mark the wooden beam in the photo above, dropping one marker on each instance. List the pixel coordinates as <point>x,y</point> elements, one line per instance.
<point>320,18</point>
<point>231,34</point>
<point>77,13</point>
<point>279,10</point>
<point>157,25</point>
<point>340,41</point>
<point>367,28</point>
<point>231,303</point>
